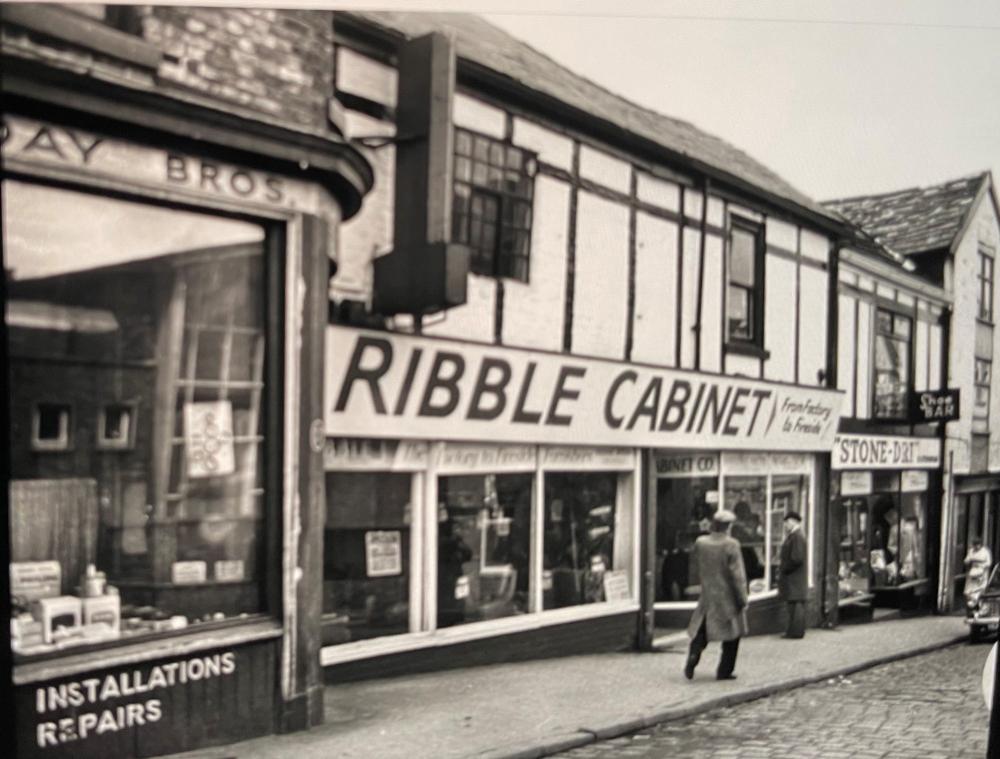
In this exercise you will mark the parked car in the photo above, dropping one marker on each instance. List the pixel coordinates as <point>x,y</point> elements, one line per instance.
<point>982,608</point>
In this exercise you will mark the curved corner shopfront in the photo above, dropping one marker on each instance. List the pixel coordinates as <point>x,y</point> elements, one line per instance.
<point>885,494</point>
<point>478,492</point>
<point>152,349</point>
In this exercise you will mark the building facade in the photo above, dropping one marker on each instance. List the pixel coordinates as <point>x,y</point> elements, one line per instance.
<point>645,338</point>
<point>172,188</point>
<point>950,233</point>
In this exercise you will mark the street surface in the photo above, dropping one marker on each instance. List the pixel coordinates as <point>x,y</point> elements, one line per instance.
<point>928,706</point>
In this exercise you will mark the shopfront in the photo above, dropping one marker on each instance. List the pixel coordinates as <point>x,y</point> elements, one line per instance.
<point>760,489</point>
<point>501,514</point>
<point>977,515</point>
<point>885,496</point>
<point>155,375</point>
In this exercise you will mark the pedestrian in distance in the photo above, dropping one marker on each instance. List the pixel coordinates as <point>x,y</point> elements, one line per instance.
<point>792,583</point>
<point>721,611</point>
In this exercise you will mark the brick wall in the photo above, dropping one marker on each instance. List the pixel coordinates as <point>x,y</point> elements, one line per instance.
<point>279,63</point>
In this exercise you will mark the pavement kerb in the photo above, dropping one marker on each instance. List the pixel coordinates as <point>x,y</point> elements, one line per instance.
<point>587,735</point>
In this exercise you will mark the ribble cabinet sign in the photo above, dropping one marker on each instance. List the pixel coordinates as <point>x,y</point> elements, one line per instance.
<point>383,384</point>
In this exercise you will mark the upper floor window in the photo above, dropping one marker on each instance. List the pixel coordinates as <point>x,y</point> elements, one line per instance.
<point>985,279</point>
<point>494,186</point>
<point>984,374</point>
<point>893,333</point>
<point>745,297</point>
<point>125,18</point>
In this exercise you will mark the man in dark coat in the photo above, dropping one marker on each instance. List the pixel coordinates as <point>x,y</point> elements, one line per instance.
<point>792,583</point>
<point>721,611</point>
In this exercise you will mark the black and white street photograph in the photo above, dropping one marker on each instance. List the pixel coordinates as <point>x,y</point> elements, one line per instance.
<point>504,379</point>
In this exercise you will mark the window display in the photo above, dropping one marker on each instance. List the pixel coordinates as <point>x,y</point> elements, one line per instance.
<point>484,541</point>
<point>366,556</point>
<point>746,497</point>
<point>579,536</point>
<point>789,492</point>
<point>685,508</point>
<point>855,569</point>
<point>136,342</point>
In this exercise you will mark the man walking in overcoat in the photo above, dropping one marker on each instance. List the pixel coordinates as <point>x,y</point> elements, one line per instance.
<point>792,585</point>
<point>721,611</point>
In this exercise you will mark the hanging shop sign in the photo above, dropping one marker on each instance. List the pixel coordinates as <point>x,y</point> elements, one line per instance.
<point>416,387</point>
<point>914,481</point>
<point>686,464</point>
<point>934,406</point>
<point>885,452</point>
<point>148,709</point>
<point>58,146</point>
<point>208,438</point>
<point>856,482</point>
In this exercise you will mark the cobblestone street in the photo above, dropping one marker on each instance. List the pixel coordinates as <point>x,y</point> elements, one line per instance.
<point>928,706</point>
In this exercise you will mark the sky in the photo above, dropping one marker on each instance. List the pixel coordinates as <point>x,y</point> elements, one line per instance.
<point>840,98</point>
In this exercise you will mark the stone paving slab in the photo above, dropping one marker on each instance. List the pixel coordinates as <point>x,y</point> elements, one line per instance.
<point>533,709</point>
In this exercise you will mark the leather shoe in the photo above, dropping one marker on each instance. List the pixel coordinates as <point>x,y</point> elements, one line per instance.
<point>725,677</point>
<point>689,670</point>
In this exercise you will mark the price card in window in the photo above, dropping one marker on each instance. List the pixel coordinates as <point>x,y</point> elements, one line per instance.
<point>208,439</point>
<point>32,580</point>
<point>229,570</point>
<point>383,553</point>
<point>616,586</point>
<point>462,588</point>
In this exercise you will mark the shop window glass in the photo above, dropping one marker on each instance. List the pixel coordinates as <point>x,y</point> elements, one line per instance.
<point>484,543</point>
<point>854,571</point>
<point>892,364</point>
<point>910,541</point>
<point>579,541</point>
<point>684,513</point>
<point>962,534</point>
<point>154,515</point>
<point>788,493</point>
<point>366,556</point>
<point>746,497</point>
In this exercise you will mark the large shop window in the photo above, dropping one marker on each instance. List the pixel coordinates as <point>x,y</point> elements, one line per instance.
<point>490,546</point>
<point>689,493</point>
<point>136,337</point>
<point>494,186</point>
<point>883,530</point>
<point>892,364</point>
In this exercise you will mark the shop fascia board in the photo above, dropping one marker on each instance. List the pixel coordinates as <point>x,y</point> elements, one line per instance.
<point>47,93</point>
<point>889,273</point>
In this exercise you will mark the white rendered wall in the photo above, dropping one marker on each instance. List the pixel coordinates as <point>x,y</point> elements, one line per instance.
<point>654,331</point>
<point>779,318</point>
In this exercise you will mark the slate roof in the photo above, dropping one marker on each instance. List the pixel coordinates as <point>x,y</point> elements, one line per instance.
<point>917,219</point>
<point>481,42</point>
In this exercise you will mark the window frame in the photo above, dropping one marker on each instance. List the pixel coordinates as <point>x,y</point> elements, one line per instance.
<point>985,284</point>
<point>277,249</point>
<point>64,442</point>
<point>501,264</point>
<point>103,442</point>
<point>979,385</point>
<point>755,342</point>
<point>909,340</point>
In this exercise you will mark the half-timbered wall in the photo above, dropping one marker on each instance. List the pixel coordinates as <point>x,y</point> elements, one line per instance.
<point>618,268</point>
<point>860,293</point>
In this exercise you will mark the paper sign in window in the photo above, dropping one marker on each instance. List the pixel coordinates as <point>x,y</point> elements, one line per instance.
<point>208,438</point>
<point>616,586</point>
<point>383,553</point>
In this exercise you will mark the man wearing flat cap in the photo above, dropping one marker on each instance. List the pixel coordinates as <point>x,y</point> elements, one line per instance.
<point>792,584</point>
<point>721,611</point>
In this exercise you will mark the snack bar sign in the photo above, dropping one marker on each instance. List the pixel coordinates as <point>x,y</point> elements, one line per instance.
<point>402,386</point>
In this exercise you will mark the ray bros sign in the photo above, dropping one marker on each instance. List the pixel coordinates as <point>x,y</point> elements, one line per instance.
<point>380,384</point>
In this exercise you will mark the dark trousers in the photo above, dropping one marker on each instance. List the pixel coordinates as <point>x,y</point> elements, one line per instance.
<point>796,619</point>
<point>727,662</point>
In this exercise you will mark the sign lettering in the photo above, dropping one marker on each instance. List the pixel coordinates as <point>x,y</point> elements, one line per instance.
<point>934,406</point>
<point>885,452</point>
<point>433,389</point>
